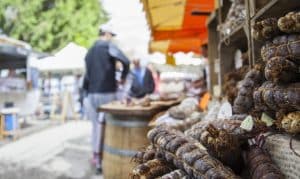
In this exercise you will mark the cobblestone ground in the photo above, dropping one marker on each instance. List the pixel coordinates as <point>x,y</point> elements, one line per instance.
<point>61,152</point>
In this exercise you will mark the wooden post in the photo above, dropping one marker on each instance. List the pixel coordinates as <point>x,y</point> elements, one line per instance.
<point>250,39</point>
<point>213,41</point>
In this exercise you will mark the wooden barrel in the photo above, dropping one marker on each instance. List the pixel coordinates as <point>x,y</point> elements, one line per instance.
<point>124,136</point>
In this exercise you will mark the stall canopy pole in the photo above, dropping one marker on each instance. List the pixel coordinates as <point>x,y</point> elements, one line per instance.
<point>250,42</point>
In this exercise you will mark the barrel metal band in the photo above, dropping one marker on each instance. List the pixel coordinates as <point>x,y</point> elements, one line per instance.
<point>119,152</point>
<point>125,123</point>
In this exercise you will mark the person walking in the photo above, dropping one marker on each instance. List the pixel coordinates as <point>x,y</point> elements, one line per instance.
<point>100,84</point>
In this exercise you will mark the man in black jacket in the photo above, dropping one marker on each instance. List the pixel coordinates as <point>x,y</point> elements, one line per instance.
<point>143,82</point>
<point>100,84</point>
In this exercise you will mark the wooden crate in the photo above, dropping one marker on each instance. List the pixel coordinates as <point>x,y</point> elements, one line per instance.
<point>270,8</point>
<point>223,48</point>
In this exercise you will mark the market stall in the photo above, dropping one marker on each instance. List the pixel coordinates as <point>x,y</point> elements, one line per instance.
<point>61,76</point>
<point>251,127</point>
<point>18,97</point>
<point>16,78</point>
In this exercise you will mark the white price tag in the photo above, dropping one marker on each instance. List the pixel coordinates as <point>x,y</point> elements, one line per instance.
<point>247,124</point>
<point>225,111</point>
<point>267,120</point>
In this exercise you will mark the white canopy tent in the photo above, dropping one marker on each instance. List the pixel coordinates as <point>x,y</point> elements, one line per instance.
<point>70,58</point>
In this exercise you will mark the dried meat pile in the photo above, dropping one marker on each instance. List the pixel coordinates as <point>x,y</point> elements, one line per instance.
<point>235,17</point>
<point>232,80</point>
<point>223,148</point>
<point>244,103</point>
<point>184,109</point>
<point>279,96</point>
<point>179,156</point>
<point>181,116</point>
<point>210,149</point>
<point>273,86</point>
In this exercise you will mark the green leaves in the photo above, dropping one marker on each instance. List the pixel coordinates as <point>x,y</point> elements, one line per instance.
<point>50,24</point>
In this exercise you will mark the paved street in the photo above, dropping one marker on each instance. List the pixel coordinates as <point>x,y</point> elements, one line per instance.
<point>60,152</point>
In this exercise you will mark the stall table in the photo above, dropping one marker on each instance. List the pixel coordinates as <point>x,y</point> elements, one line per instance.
<point>126,133</point>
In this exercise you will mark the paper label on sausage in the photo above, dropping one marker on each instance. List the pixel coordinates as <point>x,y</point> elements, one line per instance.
<point>225,111</point>
<point>247,124</point>
<point>267,119</point>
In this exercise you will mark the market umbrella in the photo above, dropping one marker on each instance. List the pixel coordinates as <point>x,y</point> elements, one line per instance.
<point>177,25</point>
<point>68,59</point>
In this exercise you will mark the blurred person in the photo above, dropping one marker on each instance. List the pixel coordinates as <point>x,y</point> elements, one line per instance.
<point>204,51</point>
<point>157,81</point>
<point>47,85</point>
<point>100,84</point>
<point>156,77</point>
<point>121,92</point>
<point>12,73</point>
<point>118,79</point>
<point>142,82</point>
<point>33,78</point>
<point>79,93</point>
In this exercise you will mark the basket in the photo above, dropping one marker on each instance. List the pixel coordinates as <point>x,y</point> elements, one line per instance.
<point>279,148</point>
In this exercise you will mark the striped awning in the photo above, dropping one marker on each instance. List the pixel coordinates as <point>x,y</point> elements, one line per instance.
<point>177,25</point>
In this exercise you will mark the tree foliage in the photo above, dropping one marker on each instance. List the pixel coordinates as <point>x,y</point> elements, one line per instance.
<point>50,24</point>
